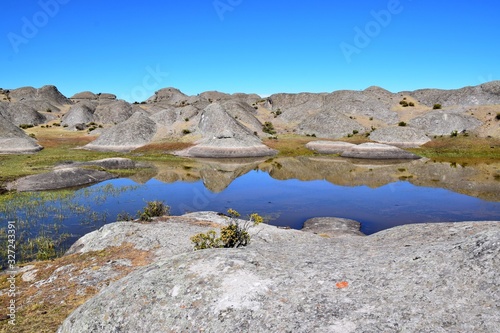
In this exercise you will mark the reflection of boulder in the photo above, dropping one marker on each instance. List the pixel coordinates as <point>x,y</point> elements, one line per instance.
<point>476,180</point>
<point>13,140</point>
<point>137,131</point>
<point>217,176</point>
<point>371,150</point>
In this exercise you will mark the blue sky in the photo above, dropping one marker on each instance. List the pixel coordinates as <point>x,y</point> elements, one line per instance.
<point>133,48</point>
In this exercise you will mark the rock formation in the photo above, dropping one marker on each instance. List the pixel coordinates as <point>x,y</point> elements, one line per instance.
<point>59,178</point>
<point>131,134</point>
<point>424,277</point>
<point>224,136</point>
<point>378,151</point>
<point>400,136</point>
<point>14,140</point>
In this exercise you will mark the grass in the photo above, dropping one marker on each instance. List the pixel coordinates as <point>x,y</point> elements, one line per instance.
<point>291,145</point>
<point>60,145</point>
<point>461,149</point>
<point>54,301</point>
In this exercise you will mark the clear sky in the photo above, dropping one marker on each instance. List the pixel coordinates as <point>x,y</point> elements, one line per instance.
<point>133,48</point>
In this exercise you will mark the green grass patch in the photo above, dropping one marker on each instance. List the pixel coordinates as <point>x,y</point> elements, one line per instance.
<point>461,149</point>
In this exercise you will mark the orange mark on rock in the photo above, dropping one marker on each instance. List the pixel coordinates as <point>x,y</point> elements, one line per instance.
<point>342,285</point>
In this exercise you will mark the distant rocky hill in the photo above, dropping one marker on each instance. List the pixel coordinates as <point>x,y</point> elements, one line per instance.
<point>424,113</point>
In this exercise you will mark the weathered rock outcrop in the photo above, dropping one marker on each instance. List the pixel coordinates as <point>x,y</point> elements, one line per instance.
<point>225,137</point>
<point>107,163</point>
<point>329,147</point>
<point>113,112</point>
<point>415,278</point>
<point>59,178</point>
<point>406,137</point>
<point>444,122</point>
<point>328,124</point>
<point>136,132</point>
<point>484,94</point>
<point>376,151</point>
<point>46,93</point>
<point>22,113</point>
<point>13,140</point>
<point>79,114</point>
<point>332,227</point>
<point>84,95</point>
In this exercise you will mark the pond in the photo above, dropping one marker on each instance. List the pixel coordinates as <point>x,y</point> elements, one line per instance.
<point>286,191</point>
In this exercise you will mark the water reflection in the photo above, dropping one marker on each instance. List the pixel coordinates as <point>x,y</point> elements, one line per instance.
<point>287,191</point>
<point>481,180</point>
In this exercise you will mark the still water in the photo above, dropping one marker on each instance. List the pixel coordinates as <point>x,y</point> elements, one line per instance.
<point>285,191</point>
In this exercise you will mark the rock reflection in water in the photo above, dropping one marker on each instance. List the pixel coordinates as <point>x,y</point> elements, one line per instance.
<point>481,180</point>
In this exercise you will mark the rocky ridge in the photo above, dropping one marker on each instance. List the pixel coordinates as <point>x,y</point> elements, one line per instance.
<point>373,111</point>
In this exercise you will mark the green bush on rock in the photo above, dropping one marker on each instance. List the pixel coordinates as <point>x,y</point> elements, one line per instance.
<point>153,209</point>
<point>231,236</point>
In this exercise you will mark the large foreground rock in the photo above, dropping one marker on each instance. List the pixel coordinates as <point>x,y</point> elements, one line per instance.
<point>413,278</point>
<point>14,140</point>
<point>136,132</point>
<point>59,178</point>
<point>378,151</point>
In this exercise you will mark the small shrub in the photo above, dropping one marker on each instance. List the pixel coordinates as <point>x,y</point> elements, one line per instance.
<point>57,124</point>
<point>234,235</point>
<point>371,118</point>
<point>437,106</point>
<point>411,104</point>
<point>25,126</point>
<point>186,131</point>
<point>268,128</point>
<point>48,110</point>
<point>313,135</point>
<point>403,103</point>
<point>402,123</point>
<point>255,133</point>
<point>33,135</point>
<point>354,132</point>
<point>186,119</point>
<point>498,116</point>
<point>454,134</point>
<point>153,209</point>
<point>65,125</point>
